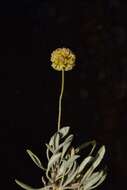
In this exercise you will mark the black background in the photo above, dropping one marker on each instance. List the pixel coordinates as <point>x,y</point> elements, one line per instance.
<point>95,97</point>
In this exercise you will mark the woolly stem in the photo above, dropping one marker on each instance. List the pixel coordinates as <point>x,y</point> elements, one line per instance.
<point>60,100</point>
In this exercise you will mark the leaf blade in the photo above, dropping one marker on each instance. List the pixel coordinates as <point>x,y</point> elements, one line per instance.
<point>53,159</point>
<point>96,162</point>
<point>84,163</point>
<point>27,187</point>
<point>35,159</point>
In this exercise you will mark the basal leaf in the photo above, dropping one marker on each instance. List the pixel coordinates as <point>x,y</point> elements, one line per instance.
<point>35,159</point>
<point>93,179</point>
<point>67,144</point>
<point>100,181</point>
<point>99,156</point>
<point>55,138</point>
<point>64,131</point>
<point>73,169</point>
<point>70,178</point>
<point>27,187</point>
<point>53,160</point>
<point>84,163</point>
<point>64,145</point>
<point>96,162</point>
<point>85,145</point>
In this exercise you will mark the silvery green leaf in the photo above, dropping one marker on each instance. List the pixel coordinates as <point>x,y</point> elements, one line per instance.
<point>35,159</point>
<point>97,161</point>
<point>27,187</point>
<point>99,182</point>
<point>53,160</point>
<point>73,169</point>
<point>59,147</point>
<point>66,165</point>
<point>84,163</point>
<point>94,145</point>
<point>89,171</point>
<point>47,151</point>
<point>61,169</point>
<point>95,177</point>
<point>49,148</point>
<point>70,178</point>
<point>86,144</point>
<point>70,166</point>
<point>67,143</point>
<point>64,131</point>
<point>43,180</point>
<point>69,163</point>
<point>64,168</point>
<point>73,186</point>
<point>57,139</point>
<point>99,156</point>
<point>52,140</point>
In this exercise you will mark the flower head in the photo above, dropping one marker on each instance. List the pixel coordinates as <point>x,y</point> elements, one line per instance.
<point>63,59</point>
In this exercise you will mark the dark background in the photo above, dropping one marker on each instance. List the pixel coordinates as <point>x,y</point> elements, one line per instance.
<point>95,97</point>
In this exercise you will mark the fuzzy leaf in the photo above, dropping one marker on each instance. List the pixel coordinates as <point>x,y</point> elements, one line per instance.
<point>100,181</point>
<point>72,170</point>
<point>57,139</point>
<point>62,168</point>
<point>70,178</point>
<point>84,163</point>
<point>100,155</point>
<point>59,147</point>
<point>85,145</point>
<point>95,177</point>
<point>35,159</point>
<point>54,139</point>
<point>47,151</point>
<point>66,166</point>
<point>27,187</point>
<point>67,143</point>
<point>64,131</point>
<point>49,148</point>
<point>97,161</point>
<point>71,165</point>
<point>53,160</point>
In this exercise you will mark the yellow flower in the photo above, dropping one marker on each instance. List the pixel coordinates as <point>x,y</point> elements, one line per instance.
<point>63,59</point>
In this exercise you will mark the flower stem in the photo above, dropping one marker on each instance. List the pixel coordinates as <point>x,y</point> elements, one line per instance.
<point>60,100</point>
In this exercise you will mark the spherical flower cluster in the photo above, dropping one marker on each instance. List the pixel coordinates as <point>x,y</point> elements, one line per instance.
<point>63,59</point>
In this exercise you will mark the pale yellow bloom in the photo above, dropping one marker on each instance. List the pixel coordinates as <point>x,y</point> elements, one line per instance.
<point>63,59</point>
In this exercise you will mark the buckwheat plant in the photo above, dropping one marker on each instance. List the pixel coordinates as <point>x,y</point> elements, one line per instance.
<point>63,169</point>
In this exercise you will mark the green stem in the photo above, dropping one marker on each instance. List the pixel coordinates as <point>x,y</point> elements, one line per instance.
<point>60,100</point>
